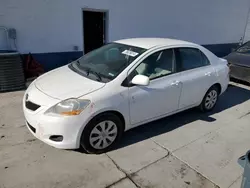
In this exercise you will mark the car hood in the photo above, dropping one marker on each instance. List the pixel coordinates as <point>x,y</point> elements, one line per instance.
<point>63,83</point>
<point>238,59</point>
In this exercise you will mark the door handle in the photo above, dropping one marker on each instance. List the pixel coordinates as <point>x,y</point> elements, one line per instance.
<point>175,83</point>
<point>208,74</point>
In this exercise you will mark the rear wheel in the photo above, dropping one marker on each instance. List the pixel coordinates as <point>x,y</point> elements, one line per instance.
<point>102,133</point>
<point>210,99</point>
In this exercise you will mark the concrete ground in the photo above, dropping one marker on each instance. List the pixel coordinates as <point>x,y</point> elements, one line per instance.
<point>189,149</point>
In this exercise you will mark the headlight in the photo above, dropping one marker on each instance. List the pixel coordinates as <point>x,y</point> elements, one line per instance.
<point>69,107</point>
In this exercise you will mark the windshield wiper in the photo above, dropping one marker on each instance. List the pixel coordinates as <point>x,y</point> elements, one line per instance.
<point>96,74</point>
<point>82,68</point>
<point>88,70</point>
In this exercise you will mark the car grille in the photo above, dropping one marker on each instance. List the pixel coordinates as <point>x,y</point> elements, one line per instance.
<point>31,106</point>
<point>31,128</point>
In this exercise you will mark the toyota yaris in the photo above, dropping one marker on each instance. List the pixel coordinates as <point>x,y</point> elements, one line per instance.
<point>90,102</point>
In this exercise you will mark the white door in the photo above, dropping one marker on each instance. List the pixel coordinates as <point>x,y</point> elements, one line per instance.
<point>197,75</point>
<point>162,94</point>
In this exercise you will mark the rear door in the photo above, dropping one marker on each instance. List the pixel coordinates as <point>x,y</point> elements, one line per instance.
<point>197,75</point>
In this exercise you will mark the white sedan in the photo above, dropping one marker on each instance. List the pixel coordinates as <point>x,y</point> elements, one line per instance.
<point>93,100</point>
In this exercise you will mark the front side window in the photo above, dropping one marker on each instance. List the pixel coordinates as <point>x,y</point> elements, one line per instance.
<point>107,62</point>
<point>157,65</point>
<point>190,58</point>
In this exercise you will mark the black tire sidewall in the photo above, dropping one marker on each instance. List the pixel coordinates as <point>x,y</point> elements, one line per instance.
<point>203,106</point>
<point>87,130</point>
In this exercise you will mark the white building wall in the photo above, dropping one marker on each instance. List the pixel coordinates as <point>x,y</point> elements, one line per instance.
<point>247,30</point>
<point>56,25</point>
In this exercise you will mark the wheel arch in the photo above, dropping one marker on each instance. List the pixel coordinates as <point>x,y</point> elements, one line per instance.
<point>218,85</point>
<point>115,112</point>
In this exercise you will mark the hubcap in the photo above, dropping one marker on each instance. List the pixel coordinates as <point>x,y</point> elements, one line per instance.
<point>103,134</point>
<point>211,99</point>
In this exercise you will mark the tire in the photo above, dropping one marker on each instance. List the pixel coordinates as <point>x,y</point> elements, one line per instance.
<point>94,139</point>
<point>213,94</point>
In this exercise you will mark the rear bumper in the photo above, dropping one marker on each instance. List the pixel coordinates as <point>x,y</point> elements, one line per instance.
<point>224,83</point>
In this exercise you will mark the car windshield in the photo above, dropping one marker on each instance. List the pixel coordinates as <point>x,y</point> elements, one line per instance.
<point>107,62</point>
<point>245,48</point>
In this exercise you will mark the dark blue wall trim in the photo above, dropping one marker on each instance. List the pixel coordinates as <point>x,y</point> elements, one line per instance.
<point>221,50</point>
<point>56,59</point>
<point>53,60</point>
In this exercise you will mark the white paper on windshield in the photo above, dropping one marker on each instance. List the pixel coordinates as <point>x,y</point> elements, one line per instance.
<point>130,53</point>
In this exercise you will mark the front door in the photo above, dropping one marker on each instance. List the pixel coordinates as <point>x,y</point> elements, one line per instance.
<point>162,94</point>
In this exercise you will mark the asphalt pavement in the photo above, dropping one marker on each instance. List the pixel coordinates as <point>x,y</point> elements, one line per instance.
<point>189,149</point>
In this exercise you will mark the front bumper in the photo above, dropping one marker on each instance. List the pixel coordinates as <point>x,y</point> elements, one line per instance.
<point>45,126</point>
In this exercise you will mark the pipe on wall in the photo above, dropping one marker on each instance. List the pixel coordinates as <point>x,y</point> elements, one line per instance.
<point>7,36</point>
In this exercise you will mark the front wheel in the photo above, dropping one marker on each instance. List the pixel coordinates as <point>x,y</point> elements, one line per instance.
<point>102,133</point>
<point>210,99</point>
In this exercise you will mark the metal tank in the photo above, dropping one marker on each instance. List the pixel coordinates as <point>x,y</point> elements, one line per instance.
<point>11,68</point>
<point>11,71</point>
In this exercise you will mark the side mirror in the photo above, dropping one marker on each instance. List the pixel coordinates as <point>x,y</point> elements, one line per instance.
<point>140,80</point>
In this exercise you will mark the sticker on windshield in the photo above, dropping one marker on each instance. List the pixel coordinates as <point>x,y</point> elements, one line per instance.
<point>111,74</point>
<point>130,53</point>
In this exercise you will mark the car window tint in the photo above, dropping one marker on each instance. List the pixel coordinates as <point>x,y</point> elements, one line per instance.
<point>245,48</point>
<point>205,59</point>
<point>157,65</point>
<point>190,58</point>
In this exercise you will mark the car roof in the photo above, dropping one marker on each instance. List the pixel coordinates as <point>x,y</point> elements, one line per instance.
<point>152,42</point>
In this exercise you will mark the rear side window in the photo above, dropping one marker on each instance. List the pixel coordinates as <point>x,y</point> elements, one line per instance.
<point>205,59</point>
<point>190,58</point>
